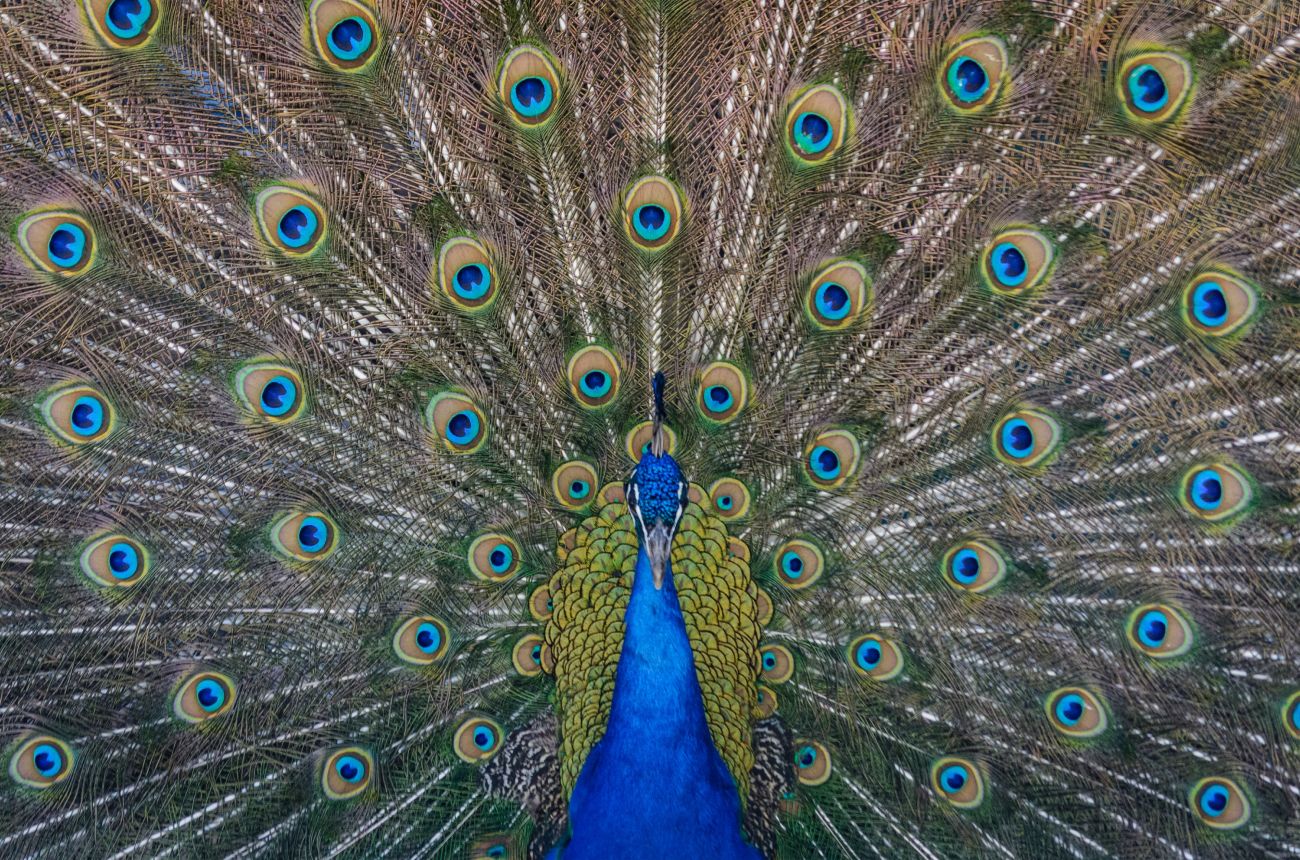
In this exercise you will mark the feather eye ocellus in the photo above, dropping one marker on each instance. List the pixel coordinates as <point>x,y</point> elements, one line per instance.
<point>1160,631</point>
<point>1291,714</point>
<point>421,640</point>
<point>1026,438</point>
<point>1017,261</point>
<point>494,846</point>
<point>837,295</point>
<point>494,557</point>
<point>1076,712</point>
<point>124,23</point>
<point>467,275</point>
<point>974,566</point>
<point>798,563</point>
<point>639,438</point>
<point>974,73</point>
<point>114,561</point>
<point>816,124</point>
<point>540,605</point>
<point>1154,86</point>
<point>730,499</point>
<point>202,696</point>
<point>529,87</point>
<point>776,664</point>
<point>1220,803</point>
<point>763,608</point>
<point>57,241</point>
<point>271,391</point>
<point>292,222</point>
<point>345,33</point>
<point>765,702</point>
<point>653,209</point>
<point>812,762</point>
<point>40,761</point>
<point>78,414</point>
<point>831,459</point>
<point>1215,492</point>
<point>1219,303</point>
<point>307,536</point>
<point>594,377</point>
<point>457,421</point>
<point>477,739</point>
<point>875,657</point>
<point>958,781</point>
<point>346,772</point>
<point>722,393</point>
<point>574,484</point>
<point>527,655</point>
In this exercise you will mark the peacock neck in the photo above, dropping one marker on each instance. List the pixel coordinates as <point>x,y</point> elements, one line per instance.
<point>655,784</point>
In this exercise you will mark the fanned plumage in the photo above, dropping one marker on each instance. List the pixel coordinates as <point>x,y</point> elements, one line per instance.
<point>329,331</point>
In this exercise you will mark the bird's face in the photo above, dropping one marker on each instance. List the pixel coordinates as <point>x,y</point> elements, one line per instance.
<point>656,495</point>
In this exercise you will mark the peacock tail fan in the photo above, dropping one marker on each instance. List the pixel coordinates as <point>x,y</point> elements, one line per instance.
<point>334,473</point>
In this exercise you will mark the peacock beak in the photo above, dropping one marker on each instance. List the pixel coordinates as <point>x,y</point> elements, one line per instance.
<point>659,542</point>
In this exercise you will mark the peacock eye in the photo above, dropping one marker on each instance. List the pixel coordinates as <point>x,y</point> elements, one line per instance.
<point>722,392</point>
<point>308,536</point>
<point>1218,303</point>
<point>816,124</point>
<point>270,391</point>
<point>1154,85</point>
<point>527,655</point>
<point>540,605</point>
<point>799,563</point>
<point>1291,714</point>
<point>1159,631</point>
<point>346,773</point>
<point>876,657</point>
<point>477,739</point>
<point>639,438</point>
<point>203,696</point>
<point>1026,437</point>
<point>291,221</point>
<point>974,73</point>
<point>777,664</point>
<point>58,242</point>
<point>593,374</point>
<point>812,763</point>
<point>78,414</point>
<point>114,561</point>
<point>458,421</point>
<point>572,484</point>
<point>421,640</point>
<point>731,498</point>
<point>41,761</point>
<point>1076,712</point>
<point>837,295</point>
<point>653,210</point>
<point>1017,261</point>
<point>494,557</point>
<point>831,459</point>
<point>957,781</point>
<point>1215,492</point>
<point>466,274</point>
<point>494,846</point>
<point>529,87</point>
<point>1218,802</point>
<point>124,23</point>
<point>973,566</point>
<point>345,34</point>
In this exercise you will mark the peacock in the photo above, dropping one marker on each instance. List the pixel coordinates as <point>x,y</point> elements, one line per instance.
<point>735,429</point>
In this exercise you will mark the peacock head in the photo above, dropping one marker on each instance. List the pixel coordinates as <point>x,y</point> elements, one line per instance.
<point>656,494</point>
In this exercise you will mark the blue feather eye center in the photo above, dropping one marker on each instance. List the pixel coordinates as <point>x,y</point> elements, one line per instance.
<point>833,301</point>
<point>1009,265</point>
<point>496,851</point>
<point>717,398</point>
<point>725,502</point>
<point>869,654</point>
<point>792,564</point>
<point>67,245</point>
<point>312,534</point>
<point>48,759</point>
<point>350,768</point>
<point>484,738</point>
<point>1152,628</point>
<point>1070,709</point>
<point>1147,88</point>
<point>596,383</point>
<point>1210,304</point>
<point>350,38</point>
<point>472,281</point>
<point>812,132</point>
<point>463,427</point>
<point>87,416</point>
<point>537,653</point>
<point>126,18</point>
<point>531,96</point>
<point>651,221</point>
<point>1207,489</point>
<point>1017,438</point>
<point>297,226</point>
<point>428,637</point>
<point>825,462</point>
<point>953,778</point>
<point>210,694</point>
<point>769,661</point>
<point>1214,800</point>
<point>123,560</point>
<point>966,566</point>
<point>806,756</point>
<point>967,79</point>
<point>501,557</point>
<point>278,395</point>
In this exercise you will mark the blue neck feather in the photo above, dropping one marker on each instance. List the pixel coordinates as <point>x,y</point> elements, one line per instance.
<point>655,786</point>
